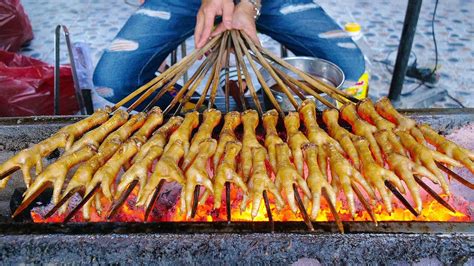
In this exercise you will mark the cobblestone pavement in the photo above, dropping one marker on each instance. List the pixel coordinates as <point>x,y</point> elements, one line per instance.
<point>96,22</point>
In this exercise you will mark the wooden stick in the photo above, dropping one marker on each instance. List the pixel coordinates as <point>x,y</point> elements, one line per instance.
<point>433,194</point>
<point>400,197</point>
<point>269,211</point>
<point>267,66</point>
<point>197,190</point>
<point>215,83</point>
<point>62,202</point>
<point>364,202</point>
<point>241,83</point>
<point>167,73</point>
<point>291,85</point>
<point>227,77</point>
<point>29,200</point>
<point>247,76</point>
<point>154,198</point>
<point>82,203</point>
<point>457,177</point>
<point>260,78</point>
<point>227,201</point>
<point>300,204</point>
<point>333,211</point>
<point>116,205</point>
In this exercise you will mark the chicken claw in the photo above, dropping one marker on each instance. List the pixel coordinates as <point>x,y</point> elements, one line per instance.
<point>231,121</point>
<point>226,172</point>
<point>295,139</point>
<point>197,174</point>
<point>316,181</point>
<point>451,149</point>
<point>211,118</point>
<point>183,133</point>
<point>259,182</point>
<point>249,141</point>
<point>422,155</point>
<point>287,176</point>
<point>270,120</point>
<point>363,129</point>
<point>344,175</point>
<point>403,167</point>
<point>166,169</point>
<point>331,119</point>
<point>385,108</point>
<point>375,174</point>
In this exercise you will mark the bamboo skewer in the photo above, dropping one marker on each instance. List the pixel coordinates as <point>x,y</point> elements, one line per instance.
<point>220,57</point>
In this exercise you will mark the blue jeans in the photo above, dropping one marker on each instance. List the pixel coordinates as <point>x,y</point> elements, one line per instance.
<point>159,26</point>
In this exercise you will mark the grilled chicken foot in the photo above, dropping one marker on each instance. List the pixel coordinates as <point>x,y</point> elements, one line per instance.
<point>259,182</point>
<point>316,181</point>
<point>270,121</point>
<point>249,141</point>
<point>183,133</point>
<point>231,121</point>
<point>295,139</point>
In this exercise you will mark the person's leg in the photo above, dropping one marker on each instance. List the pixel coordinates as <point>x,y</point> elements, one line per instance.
<point>305,28</point>
<point>137,51</point>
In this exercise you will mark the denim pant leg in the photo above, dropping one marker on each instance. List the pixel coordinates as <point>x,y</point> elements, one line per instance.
<point>137,51</point>
<point>305,28</point>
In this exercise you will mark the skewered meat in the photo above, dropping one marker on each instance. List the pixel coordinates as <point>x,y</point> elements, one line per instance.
<point>344,175</point>
<point>363,129</point>
<point>315,134</point>
<point>295,139</point>
<point>270,120</point>
<point>231,121</point>
<point>183,133</point>
<point>259,182</point>
<point>64,138</point>
<point>385,108</point>
<point>159,138</point>
<point>154,119</point>
<point>166,169</point>
<point>111,144</point>
<point>403,167</point>
<point>96,136</point>
<point>249,141</point>
<point>375,174</point>
<point>316,181</point>
<point>422,155</point>
<point>287,176</point>
<point>226,172</point>
<point>451,149</point>
<point>331,119</point>
<point>211,118</point>
<point>197,174</point>
<point>54,175</point>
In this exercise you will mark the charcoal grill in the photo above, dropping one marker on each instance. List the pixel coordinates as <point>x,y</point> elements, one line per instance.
<point>229,243</point>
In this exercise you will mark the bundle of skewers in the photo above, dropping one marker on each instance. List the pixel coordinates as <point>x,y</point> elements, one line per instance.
<point>112,152</point>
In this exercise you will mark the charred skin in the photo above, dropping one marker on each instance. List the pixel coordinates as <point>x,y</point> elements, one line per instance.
<point>259,182</point>
<point>331,119</point>
<point>295,139</point>
<point>426,157</point>
<point>249,141</point>
<point>375,174</point>
<point>287,175</point>
<point>167,168</point>
<point>211,118</point>
<point>270,121</point>
<point>226,172</point>
<point>183,133</point>
<point>32,157</point>
<point>344,174</point>
<point>385,108</point>
<point>96,136</point>
<point>363,129</point>
<point>231,121</point>
<point>107,174</point>
<point>197,174</point>
<point>449,148</point>
<point>403,167</point>
<point>316,181</point>
<point>56,173</point>
<point>315,134</point>
<point>159,138</point>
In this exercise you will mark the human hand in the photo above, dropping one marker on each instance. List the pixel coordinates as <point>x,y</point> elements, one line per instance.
<point>242,19</point>
<point>206,16</point>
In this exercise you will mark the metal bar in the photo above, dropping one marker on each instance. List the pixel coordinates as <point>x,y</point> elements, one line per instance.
<point>57,48</point>
<point>404,49</point>
<point>183,55</point>
<point>75,79</point>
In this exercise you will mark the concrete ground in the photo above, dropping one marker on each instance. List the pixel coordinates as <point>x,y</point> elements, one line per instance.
<point>96,22</point>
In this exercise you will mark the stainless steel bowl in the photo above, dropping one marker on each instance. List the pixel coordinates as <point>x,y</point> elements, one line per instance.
<point>321,69</point>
